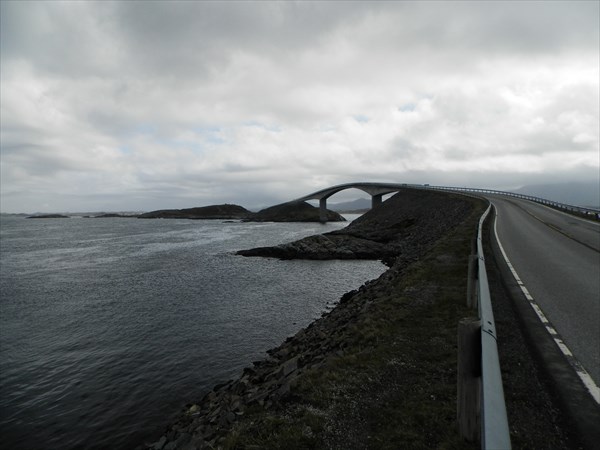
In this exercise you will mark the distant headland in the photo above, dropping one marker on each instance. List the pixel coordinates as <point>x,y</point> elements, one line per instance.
<point>295,211</point>
<point>285,212</point>
<point>47,216</point>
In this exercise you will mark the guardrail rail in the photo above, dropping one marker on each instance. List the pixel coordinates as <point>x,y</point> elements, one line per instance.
<point>586,211</point>
<point>494,423</point>
<point>481,409</point>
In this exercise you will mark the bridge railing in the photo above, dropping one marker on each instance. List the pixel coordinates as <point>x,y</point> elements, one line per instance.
<point>586,211</point>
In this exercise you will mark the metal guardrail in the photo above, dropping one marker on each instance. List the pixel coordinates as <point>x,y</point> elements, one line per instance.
<point>587,211</point>
<point>494,423</point>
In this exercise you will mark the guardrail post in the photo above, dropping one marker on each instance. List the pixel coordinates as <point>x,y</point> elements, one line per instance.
<point>472,282</point>
<point>469,379</point>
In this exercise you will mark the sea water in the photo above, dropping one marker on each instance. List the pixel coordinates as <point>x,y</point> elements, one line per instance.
<point>108,326</point>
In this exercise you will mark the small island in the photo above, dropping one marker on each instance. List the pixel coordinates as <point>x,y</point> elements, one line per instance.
<point>112,215</point>
<point>225,211</point>
<point>48,216</point>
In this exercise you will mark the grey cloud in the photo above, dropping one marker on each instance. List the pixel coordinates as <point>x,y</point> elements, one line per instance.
<point>478,81</point>
<point>38,161</point>
<point>198,39</point>
<point>499,26</point>
<point>66,40</point>
<point>192,41</point>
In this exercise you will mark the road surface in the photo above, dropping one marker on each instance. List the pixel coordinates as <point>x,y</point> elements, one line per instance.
<point>557,257</point>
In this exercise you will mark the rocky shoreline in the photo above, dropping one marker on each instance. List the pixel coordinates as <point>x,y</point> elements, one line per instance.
<point>400,231</point>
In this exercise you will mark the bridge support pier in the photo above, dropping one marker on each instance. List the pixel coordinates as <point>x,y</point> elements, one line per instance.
<point>376,200</point>
<point>323,210</point>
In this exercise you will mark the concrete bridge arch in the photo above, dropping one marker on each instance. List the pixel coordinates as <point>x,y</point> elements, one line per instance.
<point>375,190</point>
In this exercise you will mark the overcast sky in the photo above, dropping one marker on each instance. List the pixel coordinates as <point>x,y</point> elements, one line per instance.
<point>144,105</point>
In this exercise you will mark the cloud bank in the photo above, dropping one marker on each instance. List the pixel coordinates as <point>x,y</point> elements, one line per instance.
<point>147,105</point>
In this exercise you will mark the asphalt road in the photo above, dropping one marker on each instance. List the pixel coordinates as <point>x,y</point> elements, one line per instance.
<point>557,256</point>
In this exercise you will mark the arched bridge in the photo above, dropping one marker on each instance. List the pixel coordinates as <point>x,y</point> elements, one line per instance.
<point>378,190</point>
<point>375,190</point>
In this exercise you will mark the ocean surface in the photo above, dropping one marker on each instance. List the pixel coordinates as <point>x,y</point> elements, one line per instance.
<point>108,327</point>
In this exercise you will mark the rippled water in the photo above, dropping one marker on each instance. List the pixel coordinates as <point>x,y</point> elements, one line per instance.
<point>109,326</point>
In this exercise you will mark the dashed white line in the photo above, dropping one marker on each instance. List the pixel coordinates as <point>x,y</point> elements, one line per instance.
<point>585,377</point>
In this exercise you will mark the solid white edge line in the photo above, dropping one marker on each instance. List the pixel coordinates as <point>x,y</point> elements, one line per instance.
<point>585,377</point>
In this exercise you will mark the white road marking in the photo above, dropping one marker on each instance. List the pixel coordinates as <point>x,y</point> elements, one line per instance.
<point>585,377</point>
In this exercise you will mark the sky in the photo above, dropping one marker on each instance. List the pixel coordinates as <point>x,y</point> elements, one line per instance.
<point>135,106</point>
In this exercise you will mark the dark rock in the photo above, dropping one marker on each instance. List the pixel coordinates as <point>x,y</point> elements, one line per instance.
<point>289,366</point>
<point>160,444</point>
<point>231,417</point>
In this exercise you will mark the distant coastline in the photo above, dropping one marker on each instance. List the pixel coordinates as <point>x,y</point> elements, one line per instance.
<point>285,212</point>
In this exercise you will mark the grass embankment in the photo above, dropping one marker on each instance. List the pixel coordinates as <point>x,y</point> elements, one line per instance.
<point>392,383</point>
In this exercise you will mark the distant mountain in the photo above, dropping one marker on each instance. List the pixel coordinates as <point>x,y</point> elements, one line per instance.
<point>358,204</point>
<point>575,193</point>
